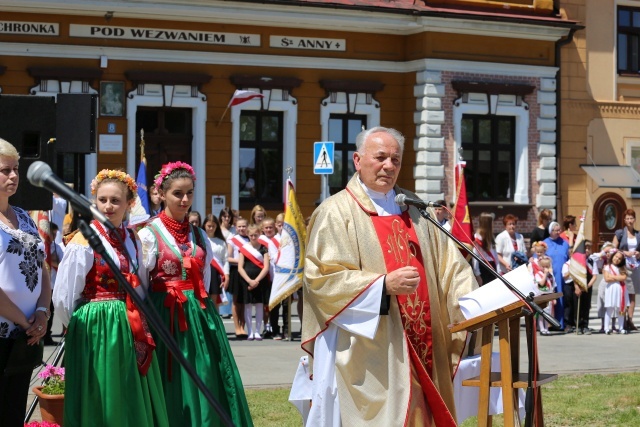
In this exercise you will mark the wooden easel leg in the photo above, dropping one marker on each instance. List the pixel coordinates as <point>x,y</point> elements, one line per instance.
<point>506,373</point>
<point>539,417</point>
<point>484,420</point>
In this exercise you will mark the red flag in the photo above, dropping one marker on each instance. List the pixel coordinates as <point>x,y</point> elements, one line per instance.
<point>42,220</point>
<point>578,261</point>
<point>240,96</point>
<point>462,227</point>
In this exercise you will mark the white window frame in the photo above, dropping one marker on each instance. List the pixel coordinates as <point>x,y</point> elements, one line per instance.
<point>630,144</point>
<point>171,98</point>
<point>521,114</point>
<point>289,108</point>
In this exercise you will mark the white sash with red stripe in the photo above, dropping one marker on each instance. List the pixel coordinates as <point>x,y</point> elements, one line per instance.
<point>264,241</point>
<point>215,263</point>
<point>252,254</point>
<point>237,241</point>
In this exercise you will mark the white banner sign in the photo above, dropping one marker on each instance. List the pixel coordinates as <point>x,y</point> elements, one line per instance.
<point>110,144</point>
<point>310,43</point>
<point>163,35</point>
<point>35,28</point>
<point>218,202</point>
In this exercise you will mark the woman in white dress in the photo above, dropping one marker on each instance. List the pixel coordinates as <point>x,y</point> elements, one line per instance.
<point>627,240</point>
<point>616,296</point>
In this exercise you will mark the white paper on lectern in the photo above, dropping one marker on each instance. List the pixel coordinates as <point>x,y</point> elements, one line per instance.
<point>495,294</point>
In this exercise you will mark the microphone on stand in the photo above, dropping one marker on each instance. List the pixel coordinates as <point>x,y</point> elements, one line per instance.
<point>41,175</point>
<point>403,200</point>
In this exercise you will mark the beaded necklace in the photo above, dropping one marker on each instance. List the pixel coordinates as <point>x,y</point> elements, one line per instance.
<point>179,230</point>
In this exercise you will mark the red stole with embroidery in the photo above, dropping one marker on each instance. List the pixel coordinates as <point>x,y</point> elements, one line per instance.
<point>401,248</point>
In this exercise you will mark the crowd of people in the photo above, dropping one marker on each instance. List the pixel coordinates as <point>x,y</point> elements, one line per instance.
<point>182,265</point>
<point>551,245</point>
<point>366,257</point>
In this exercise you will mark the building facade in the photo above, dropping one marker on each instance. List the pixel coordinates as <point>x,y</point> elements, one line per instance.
<point>469,78</point>
<point>600,114</point>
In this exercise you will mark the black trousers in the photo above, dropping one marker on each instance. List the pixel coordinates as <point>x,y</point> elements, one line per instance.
<point>570,304</point>
<point>584,302</point>
<point>14,390</point>
<point>275,314</point>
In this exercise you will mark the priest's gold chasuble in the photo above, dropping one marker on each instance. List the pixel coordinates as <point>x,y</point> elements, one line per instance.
<point>403,376</point>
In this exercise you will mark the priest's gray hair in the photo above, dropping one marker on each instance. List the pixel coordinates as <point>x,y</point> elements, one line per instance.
<point>362,137</point>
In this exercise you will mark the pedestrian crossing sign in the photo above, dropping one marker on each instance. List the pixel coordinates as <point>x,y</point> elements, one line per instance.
<point>323,158</point>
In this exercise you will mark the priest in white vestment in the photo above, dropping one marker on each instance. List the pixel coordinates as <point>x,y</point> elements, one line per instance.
<point>381,285</point>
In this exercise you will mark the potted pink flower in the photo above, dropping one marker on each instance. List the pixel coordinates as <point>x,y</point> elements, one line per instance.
<point>51,394</point>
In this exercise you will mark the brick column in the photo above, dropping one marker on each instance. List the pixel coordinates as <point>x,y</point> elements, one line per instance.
<point>429,142</point>
<point>546,174</point>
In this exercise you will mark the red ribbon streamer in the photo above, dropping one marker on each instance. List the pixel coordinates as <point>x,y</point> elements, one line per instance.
<point>143,341</point>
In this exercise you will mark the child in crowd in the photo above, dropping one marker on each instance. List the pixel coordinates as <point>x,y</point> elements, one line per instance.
<point>582,297</point>
<point>270,240</point>
<point>569,298</point>
<point>234,244</point>
<point>226,221</point>
<point>600,259</point>
<point>258,213</point>
<point>219,263</point>
<point>155,201</point>
<point>546,284</point>
<point>616,297</point>
<point>485,247</point>
<point>538,250</point>
<point>110,359</point>
<point>195,219</point>
<point>253,268</point>
<point>279,223</point>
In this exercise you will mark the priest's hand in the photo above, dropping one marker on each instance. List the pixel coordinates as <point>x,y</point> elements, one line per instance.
<point>403,281</point>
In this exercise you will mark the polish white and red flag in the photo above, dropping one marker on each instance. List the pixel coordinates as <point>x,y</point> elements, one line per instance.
<point>240,96</point>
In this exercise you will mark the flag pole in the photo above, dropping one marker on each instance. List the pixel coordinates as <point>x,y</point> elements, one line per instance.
<point>578,315</point>
<point>223,114</point>
<point>289,307</point>
<point>289,169</point>
<point>142,158</point>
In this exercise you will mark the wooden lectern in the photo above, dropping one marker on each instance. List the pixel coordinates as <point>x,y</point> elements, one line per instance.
<point>509,378</point>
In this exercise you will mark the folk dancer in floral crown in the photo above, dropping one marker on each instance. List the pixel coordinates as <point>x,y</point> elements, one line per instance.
<point>110,361</point>
<point>177,256</point>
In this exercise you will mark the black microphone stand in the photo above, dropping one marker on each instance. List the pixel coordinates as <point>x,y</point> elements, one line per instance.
<point>529,403</point>
<point>152,317</point>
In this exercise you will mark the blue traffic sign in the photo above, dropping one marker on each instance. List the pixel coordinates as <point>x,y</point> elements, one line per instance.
<point>323,158</point>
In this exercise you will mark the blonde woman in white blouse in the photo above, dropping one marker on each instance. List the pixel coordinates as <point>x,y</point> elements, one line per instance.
<point>25,290</point>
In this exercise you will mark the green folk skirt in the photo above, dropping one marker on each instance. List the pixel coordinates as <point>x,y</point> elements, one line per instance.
<point>205,345</point>
<point>103,385</point>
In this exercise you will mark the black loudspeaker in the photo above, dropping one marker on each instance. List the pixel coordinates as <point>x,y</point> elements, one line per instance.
<point>29,123</point>
<point>76,123</point>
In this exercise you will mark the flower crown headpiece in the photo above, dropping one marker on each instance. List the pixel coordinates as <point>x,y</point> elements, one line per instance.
<point>113,174</point>
<point>170,167</point>
<point>540,243</point>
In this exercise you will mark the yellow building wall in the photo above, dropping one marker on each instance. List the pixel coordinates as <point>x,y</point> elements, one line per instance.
<point>480,48</point>
<point>600,112</point>
<point>396,99</point>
